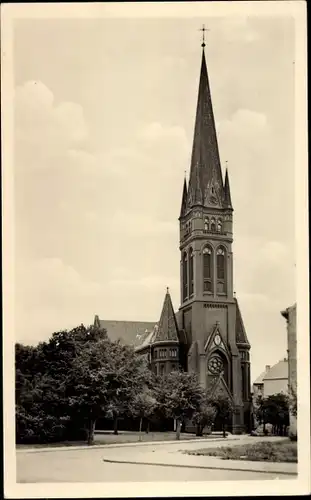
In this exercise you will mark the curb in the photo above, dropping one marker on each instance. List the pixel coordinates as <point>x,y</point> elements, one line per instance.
<point>212,467</point>
<point>119,445</point>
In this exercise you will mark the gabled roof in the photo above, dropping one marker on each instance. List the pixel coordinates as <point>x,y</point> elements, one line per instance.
<point>240,333</point>
<point>205,183</point>
<point>127,332</point>
<point>259,380</point>
<point>167,327</point>
<point>278,371</point>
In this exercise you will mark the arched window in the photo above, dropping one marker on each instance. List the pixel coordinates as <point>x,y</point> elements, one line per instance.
<point>221,270</point>
<point>207,270</point>
<point>217,365</point>
<point>191,272</point>
<point>206,224</point>
<point>244,390</point>
<point>185,276</point>
<point>219,225</point>
<point>213,225</point>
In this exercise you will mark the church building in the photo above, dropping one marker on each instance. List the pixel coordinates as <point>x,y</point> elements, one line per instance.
<point>206,335</point>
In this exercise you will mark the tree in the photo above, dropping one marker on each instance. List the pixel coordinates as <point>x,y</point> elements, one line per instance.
<point>223,407</point>
<point>260,411</point>
<point>43,412</point>
<point>105,378</point>
<point>179,395</point>
<point>277,412</point>
<point>273,410</point>
<point>204,416</point>
<point>143,406</point>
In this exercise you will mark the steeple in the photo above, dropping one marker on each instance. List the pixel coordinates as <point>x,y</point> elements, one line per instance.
<point>167,326</point>
<point>184,199</point>
<point>227,195</point>
<point>205,172</point>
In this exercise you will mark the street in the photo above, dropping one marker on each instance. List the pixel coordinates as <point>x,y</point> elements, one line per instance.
<point>88,465</point>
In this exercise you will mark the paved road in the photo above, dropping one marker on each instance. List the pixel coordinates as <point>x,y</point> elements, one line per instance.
<point>87,465</point>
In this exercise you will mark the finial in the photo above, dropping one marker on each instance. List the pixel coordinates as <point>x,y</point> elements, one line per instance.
<point>203,29</point>
<point>226,164</point>
<point>167,290</point>
<point>234,294</point>
<point>185,174</point>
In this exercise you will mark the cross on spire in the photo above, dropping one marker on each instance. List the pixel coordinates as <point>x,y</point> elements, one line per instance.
<point>203,29</point>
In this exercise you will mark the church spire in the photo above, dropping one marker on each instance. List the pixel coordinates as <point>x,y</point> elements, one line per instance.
<point>184,199</point>
<point>205,161</point>
<point>227,195</point>
<point>167,326</point>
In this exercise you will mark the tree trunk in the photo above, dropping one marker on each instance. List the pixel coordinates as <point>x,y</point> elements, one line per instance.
<point>148,427</point>
<point>91,429</point>
<point>178,429</point>
<point>199,431</point>
<point>140,427</point>
<point>115,425</point>
<point>223,431</point>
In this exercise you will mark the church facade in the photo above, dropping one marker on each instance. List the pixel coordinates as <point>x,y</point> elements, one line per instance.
<point>207,334</point>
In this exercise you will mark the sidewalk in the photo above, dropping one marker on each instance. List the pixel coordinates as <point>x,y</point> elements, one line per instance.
<point>124,445</point>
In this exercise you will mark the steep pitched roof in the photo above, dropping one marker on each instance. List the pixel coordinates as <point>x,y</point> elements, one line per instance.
<point>259,380</point>
<point>278,371</point>
<point>206,183</point>
<point>240,333</point>
<point>167,326</point>
<point>128,332</point>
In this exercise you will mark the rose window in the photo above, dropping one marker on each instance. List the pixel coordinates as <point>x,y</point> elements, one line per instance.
<point>215,365</point>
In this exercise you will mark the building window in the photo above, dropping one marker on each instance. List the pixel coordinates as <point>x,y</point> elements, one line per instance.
<point>207,269</point>
<point>173,353</point>
<point>185,276</point>
<point>162,369</point>
<point>213,225</point>
<point>215,365</point>
<point>221,271</point>
<point>191,271</point>
<point>155,354</point>
<point>206,224</point>
<point>219,226</point>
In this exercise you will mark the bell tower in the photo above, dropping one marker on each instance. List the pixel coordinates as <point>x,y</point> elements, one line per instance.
<point>209,312</point>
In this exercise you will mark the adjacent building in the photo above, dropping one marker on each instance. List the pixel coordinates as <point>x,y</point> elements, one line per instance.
<point>290,314</point>
<point>207,334</point>
<point>274,380</point>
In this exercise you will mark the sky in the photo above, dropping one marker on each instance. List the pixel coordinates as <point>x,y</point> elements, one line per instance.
<point>104,114</point>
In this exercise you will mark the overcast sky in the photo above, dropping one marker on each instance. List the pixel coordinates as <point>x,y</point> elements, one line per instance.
<point>104,112</point>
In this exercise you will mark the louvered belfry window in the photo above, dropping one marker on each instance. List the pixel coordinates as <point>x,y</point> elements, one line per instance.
<point>185,276</point>
<point>207,269</point>
<point>221,270</point>
<point>191,272</point>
